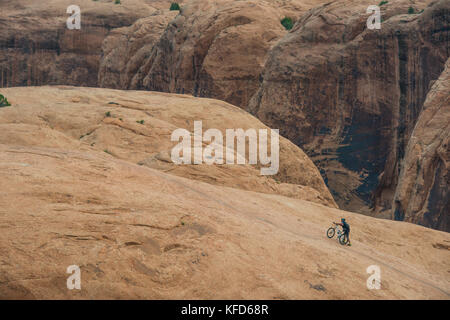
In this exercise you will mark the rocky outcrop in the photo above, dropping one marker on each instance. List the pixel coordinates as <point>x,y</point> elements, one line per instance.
<point>136,126</point>
<point>350,96</point>
<point>422,195</point>
<point>137,232</point>
<point>37,48</point>
<point>127,49</point>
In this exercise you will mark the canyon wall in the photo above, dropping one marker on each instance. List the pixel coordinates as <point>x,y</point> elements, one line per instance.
<point>422,195</point>
<point>351,96</point>
<point>210,49</point>
<point>37,48</point>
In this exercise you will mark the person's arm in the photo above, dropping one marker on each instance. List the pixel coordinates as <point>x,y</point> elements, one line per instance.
<point>339,224</point>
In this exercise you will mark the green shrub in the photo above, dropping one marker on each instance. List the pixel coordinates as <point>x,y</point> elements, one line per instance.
<point>140,121</point>
<point>108,114</point>
<point>3,101</point>
<point>287,23</point>
<point>174,6</point>
<point>382,3</point>
<point>411,10</point>
<point>116,1</point>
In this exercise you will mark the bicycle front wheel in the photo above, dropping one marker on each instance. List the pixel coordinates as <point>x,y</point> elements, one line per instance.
<point>330,233</point>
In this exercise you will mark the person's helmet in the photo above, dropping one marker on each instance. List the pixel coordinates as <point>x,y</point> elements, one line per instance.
<point>342,219</point>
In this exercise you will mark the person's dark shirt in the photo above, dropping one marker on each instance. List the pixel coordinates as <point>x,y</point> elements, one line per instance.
<point>345,226</point>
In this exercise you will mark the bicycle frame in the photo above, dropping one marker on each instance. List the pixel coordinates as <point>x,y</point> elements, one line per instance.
<point>338,229</point>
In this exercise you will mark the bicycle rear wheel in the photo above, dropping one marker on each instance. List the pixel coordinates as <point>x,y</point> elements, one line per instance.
<point>343,239</point>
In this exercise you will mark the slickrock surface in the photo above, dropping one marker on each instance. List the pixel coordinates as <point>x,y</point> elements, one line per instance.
<point>107,120</point>
<point>139,232</point>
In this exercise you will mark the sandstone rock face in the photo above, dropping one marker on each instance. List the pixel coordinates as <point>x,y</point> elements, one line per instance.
<point>36,47</point>
<point>350,96</point>
<point>127,49</point>
<point>211,49</point>
<point>422,195</point>
<point>109,121</point>
<point>137,232</point>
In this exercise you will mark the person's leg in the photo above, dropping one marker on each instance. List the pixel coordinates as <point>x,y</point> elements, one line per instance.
<point>348,237</point>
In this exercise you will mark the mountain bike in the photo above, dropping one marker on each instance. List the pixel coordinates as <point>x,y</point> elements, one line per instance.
<point>342,237</point>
